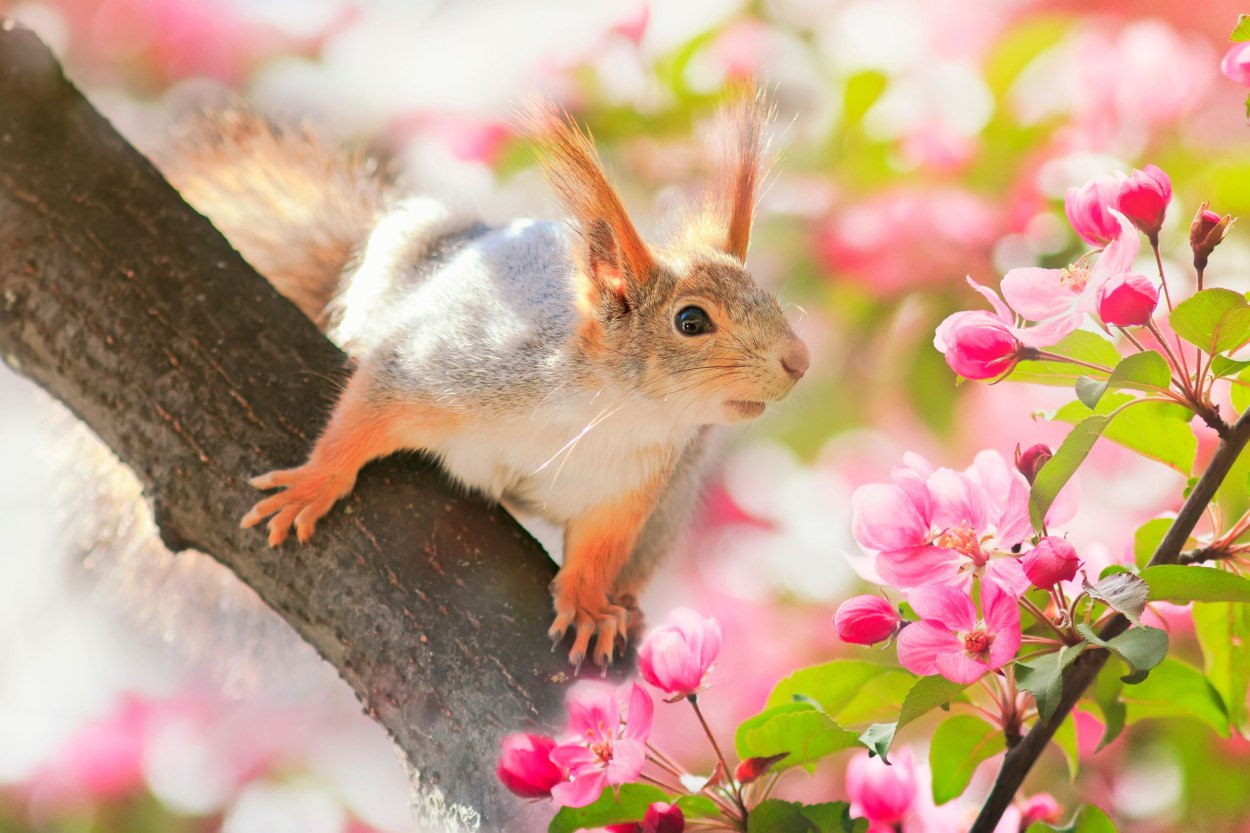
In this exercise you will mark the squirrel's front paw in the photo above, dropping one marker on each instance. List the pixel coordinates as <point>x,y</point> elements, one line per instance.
<point>308,493</point>
<point>589,617</point>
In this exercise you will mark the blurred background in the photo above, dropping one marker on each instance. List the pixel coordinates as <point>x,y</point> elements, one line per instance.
<point>918,141</point>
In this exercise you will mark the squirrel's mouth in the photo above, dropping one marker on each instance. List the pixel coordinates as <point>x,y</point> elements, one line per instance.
<point>746,408</point>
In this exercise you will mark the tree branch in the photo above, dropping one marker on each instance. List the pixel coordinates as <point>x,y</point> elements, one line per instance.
<point>1020,759</point>
<point>126,305</point>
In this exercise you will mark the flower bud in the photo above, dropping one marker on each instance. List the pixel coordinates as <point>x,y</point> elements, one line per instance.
<point>1087,210</point>
<point>1126,300</point>
<point>751,769</point>
<point>1236,63</point>
<point>663,818</point>
<point>1040,807</point>
<point>1030,462</point>
<point>865,620</point>
<point>980,348</point>
<point>525,765</point>
<point>1206,232</point>
<point>1053,560</point>
<point>675,657</point>
<point>1144,199</point>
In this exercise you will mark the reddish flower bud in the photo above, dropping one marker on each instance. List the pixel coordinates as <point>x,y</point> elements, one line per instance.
<point>1206,232</point>
<point>865,620</point>
<point>663,818</point>
<point>1030,462</point>
<point>752,768</point>
<point>1040,807</point>
<point>1087,206</point>
<point>676,657</point>
<point>1053,560</point>
<point>1126,300</point>
<point>979,348</point>
<point>1144,199</point>
<point>525,765</point>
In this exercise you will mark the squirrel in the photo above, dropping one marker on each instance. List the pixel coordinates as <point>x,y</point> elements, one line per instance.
<point>567,368</point>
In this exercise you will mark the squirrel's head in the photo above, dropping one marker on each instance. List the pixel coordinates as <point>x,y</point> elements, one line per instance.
<point>686,324</point>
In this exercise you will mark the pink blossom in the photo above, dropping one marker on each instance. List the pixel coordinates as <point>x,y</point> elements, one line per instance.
<point>663,818</point>
<point>883,794</point>
<point>1052,296</point>
<point>943,526</point>
<point>1030,461</point>
<point>1053,560</point>
<point>525,765</point>
<point>865,620</point>
<point>1127,300</point>
<point>1088,211</point>
<point>1206,232</point>
<point>951,641</point>
<point>601,749</point>
<point>1144,199</point>
<point>1236,63</point>
<point>676,657</point>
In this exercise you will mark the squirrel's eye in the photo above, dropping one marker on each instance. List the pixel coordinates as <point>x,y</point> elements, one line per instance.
<point>692,321</point>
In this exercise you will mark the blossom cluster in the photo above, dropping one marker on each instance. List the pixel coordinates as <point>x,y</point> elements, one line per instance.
<point>935,532</point>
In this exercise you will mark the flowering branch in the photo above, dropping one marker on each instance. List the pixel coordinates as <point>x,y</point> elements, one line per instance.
<point>1020,759</point>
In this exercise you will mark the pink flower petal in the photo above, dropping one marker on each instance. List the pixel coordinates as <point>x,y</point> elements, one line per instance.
<point>921,643</point>
<point>580,791</point>
<point>641,710</point>
<point>958,502</point>
<point>914,566</point>
<point>960,668</point>
<point>884,518</point>
<point>1037,294</point>
<point>1049,333</point>
<point>628,758</point>
<point>1002,619</point>
<point>1009,573</point>
<point>1001,310</point>
<point>592,707</point>
<point>944,604</point>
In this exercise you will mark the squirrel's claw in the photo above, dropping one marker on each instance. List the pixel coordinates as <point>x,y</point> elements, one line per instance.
<point>308,494</point>
<point>605,626</point>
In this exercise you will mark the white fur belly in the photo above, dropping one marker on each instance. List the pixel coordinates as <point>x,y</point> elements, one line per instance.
<point>561,463</point>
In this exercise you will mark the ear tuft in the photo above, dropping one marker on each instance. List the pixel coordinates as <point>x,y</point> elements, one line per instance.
<point>613,255</point>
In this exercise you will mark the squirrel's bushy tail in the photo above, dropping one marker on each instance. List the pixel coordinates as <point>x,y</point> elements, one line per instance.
<point>296,207</point>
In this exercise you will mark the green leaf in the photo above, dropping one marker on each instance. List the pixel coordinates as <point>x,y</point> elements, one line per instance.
<point>1106,691</point>
<point>1223,631</point>
<point>1122,592</point>
<point>698,807</point>
<point>959,745</point>
<point>1059,469</point>
<point>1224,366</point>
<point>1148,537</point>
<point>800,729</point>
<point>1043,677</point>
<point>1216,320</point>
<point>1239,390</point>
<point>926,694</point>
<point>1143,648</point>
<point>1065,739</point>
<point>628,803</point>
<point>1146,371</point>
<point>1083,345</point>
<point>849,691</point>
<point>1157,430</point>
<point>1195,583</point>
<point>1241,32</point>
<point>775,816</point>
<point>1175,689</point>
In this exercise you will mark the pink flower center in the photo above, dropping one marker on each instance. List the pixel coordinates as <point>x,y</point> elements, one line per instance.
<point>964,541</point>
<point>602,751</point>
<point>1074,278</point>
<point>977,642</point>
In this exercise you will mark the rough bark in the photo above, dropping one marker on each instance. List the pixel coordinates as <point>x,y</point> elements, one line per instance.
<point>129,307</point>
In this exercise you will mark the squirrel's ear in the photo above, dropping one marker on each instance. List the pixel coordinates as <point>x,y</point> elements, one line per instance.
<point>613,255</point>
<point>725,220</point>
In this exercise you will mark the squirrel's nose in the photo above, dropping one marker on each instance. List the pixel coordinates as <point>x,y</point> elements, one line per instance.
<point>795,358</point>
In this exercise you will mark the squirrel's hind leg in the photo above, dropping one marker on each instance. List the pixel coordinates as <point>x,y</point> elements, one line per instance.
<point>597,545</point>
<point>365,425</point>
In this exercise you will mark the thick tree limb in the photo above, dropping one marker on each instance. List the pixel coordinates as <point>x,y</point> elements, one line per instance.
<point>130,308</point>
<point>1080,676</point>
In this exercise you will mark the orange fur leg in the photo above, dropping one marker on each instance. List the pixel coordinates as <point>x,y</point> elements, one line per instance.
<point>597,545</point>
<point>359,430</point>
